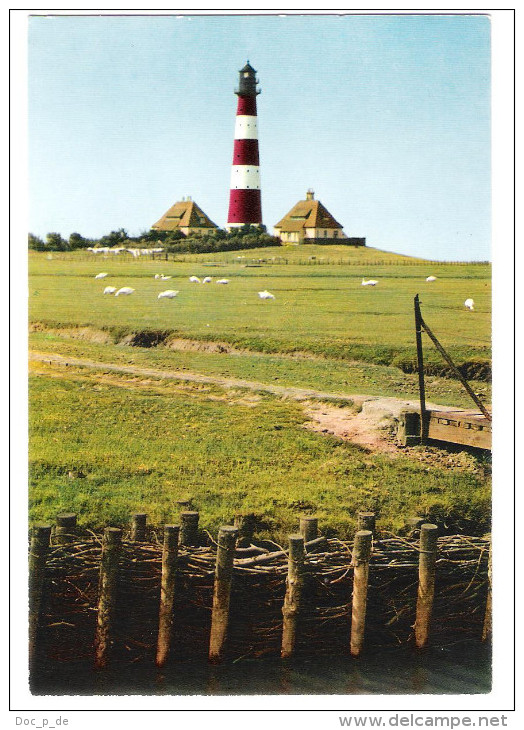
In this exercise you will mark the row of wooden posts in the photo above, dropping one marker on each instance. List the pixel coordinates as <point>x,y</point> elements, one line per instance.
<point>186,534</point>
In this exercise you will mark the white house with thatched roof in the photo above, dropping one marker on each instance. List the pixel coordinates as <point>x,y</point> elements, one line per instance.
<point>187,217</point>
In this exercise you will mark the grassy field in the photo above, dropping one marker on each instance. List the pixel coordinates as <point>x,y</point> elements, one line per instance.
<point>320,309</point>
<point>324,374</point>
<point>104,445</point>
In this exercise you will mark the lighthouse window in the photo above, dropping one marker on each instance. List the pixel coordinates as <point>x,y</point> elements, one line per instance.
<point>246,74</point>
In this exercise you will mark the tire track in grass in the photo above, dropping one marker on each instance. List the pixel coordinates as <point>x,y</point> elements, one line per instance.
<point>229,382</point>
<point>366,420</point>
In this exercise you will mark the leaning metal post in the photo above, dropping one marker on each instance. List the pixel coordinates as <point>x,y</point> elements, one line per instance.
<point>420,368</point>
<point>457,372</point>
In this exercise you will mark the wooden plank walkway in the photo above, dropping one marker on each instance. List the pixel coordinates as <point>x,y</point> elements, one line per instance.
<point>452,425</point>
<point>470,428</point>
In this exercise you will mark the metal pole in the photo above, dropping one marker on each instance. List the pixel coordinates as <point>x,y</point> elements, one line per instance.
<point>420,368</point>
<point>457,372</point>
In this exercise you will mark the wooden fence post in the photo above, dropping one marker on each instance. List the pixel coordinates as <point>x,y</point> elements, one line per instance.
<point>184,504</point>
<point>138,527</point>
<point>245,524</point>
<point>414,523</point>
<point>488,622</point>
<point>361,557</point>
<point>65,529</point>
<point>426,582</point>
<point>308,527</point>
<point>37,558</point>
<point>167,593</point>
<point>107,589</point>
<point>294,585</point>
<point>227,537</point>
<point>366,521</point>
<point>189,528</point>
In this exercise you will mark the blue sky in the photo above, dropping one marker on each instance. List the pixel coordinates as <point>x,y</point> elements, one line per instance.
<point>387,118</point>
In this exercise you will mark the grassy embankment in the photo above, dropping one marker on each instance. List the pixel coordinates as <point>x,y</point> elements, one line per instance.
<point>140,446</point>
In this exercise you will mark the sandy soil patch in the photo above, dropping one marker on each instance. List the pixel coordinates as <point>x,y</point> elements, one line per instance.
<point>372,423</point>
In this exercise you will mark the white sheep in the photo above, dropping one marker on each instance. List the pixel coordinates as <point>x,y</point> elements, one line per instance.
<point>124,290</point>
<point>102,275</point>
<point>469,304</point>
<point>369,282</point>
<point>265,295</point>
<point>168,294</point>
<point>206,280</point>
<point>110,290</point>
<point>194,279</point>
<point>431,278</point>
<point>222,281</point>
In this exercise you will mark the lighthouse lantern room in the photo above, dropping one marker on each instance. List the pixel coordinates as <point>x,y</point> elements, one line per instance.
<point>245,205</point>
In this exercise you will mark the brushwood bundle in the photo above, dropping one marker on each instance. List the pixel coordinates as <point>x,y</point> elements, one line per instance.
<point>72,584</point>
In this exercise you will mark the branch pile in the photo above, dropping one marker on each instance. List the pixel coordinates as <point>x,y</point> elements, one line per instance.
<point>70,603</point>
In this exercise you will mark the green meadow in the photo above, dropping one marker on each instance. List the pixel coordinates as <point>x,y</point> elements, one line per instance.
<point>105,444</point>
<point>104,447</point>
<point>320,309</point>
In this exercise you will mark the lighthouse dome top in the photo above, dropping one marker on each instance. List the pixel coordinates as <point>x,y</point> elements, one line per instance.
<point>247,83</point>
<point>248,68</point>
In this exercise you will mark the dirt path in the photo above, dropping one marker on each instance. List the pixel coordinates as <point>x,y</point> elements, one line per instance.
<point>370,421</point>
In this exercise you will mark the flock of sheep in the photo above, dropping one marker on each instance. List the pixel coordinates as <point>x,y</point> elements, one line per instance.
<point>469,303</point>
<point>171,293</point>
<point>135,252</point>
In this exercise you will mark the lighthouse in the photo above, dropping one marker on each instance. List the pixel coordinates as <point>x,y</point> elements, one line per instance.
<point>245,205</point>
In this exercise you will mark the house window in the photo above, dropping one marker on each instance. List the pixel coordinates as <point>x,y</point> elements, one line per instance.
<point>325,234</point>
<point>335,234</point>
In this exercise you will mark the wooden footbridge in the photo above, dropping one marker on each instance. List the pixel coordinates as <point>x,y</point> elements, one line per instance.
<point>454,425</point>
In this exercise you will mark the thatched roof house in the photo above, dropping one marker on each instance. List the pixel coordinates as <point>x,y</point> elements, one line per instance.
<point>310,222</point>
<point>187,217</point>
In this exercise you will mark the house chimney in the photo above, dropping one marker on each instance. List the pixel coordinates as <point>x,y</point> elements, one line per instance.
<point>310,195</point>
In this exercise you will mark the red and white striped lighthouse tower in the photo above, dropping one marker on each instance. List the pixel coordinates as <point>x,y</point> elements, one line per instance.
<point>245,198</point>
